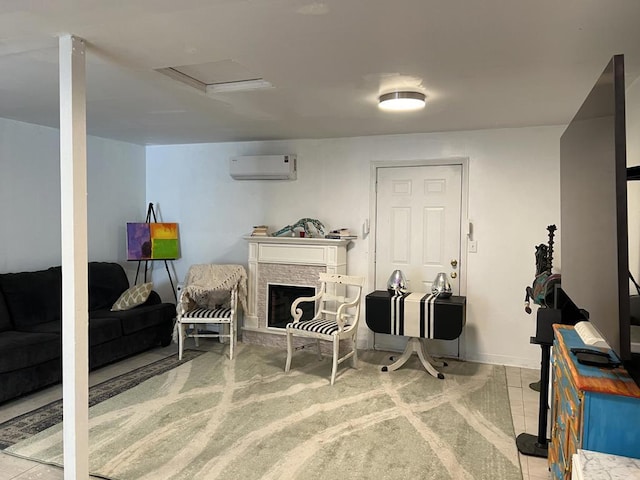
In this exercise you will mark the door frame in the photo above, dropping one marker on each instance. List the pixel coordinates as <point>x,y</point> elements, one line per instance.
<point>465,229</point>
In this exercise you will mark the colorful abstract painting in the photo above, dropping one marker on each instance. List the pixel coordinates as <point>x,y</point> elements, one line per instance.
<point>152,241</point>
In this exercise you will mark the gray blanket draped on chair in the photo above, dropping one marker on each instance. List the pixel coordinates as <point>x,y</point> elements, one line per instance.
<point>208,286</point>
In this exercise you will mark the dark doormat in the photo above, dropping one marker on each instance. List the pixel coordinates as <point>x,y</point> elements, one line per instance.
<point>30,423</point>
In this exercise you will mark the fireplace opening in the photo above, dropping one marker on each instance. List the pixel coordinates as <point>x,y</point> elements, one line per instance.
<point>279,304</point>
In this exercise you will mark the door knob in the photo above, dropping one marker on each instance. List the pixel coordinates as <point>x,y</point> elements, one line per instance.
<point>454,263</point>
<point>453,275</point>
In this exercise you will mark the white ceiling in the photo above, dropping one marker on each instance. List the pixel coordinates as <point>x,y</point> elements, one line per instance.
<point>482,63</point>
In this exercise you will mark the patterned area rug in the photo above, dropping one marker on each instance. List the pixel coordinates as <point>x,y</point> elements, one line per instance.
<point>28,424</point>
<point>212,418</point>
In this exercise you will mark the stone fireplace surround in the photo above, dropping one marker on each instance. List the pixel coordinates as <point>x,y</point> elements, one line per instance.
<point>286,261</point>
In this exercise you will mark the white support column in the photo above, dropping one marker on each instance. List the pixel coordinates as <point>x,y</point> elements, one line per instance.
<point>75,308</point>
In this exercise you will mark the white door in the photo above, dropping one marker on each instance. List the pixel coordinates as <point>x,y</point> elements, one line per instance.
<point>418,219</point>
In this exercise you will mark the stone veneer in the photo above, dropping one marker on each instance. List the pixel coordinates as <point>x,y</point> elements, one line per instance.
<point>273,273</point>
<point>297,275</point>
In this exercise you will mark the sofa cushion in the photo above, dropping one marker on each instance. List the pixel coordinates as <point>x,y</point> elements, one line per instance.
<point>146,317</point>
<point>132,297</point>
<point>107,281</point>
<point>20,350</point>
<point>32,297</point>
<point>102,330</point>
<point>139,318</point>
<point>48,327</point>
<point>5,318</point>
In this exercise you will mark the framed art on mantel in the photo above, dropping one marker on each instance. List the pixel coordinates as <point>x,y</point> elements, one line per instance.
<point>152,241</point>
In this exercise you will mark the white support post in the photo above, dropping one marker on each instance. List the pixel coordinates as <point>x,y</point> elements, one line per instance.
<point>73,186</point>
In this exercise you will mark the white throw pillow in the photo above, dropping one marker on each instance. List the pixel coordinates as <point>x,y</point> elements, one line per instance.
<point>132,297</point>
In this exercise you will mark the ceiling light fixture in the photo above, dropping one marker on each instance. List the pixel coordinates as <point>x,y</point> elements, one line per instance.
<point>402,101</point>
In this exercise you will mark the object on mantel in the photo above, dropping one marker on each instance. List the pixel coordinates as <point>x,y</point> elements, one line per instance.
<point>310,226</point>
<point>341,233</point>
<point>260,231</point>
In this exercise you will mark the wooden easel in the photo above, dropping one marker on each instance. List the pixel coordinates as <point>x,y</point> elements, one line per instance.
<point>151,213</point>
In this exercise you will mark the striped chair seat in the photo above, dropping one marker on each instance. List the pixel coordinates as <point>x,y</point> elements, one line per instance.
<point>208,313</point>
<point>329,304</point>
<point>325,327</point>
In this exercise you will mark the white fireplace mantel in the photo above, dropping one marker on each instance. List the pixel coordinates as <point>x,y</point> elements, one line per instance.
<point>328,255</point>
<point>296,240</point>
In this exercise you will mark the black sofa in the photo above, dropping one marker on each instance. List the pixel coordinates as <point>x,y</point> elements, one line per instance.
<point>31,321</point>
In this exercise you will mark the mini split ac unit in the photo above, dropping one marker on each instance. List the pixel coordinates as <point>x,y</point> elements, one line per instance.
<point>263,167</point>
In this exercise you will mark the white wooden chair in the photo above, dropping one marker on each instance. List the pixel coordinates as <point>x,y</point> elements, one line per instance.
<point>202,304</point>
<point>336,318</point>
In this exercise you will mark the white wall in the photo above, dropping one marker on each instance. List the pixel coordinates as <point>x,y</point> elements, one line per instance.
<point>116,174</point>
<point>30,196</point>
<point>513,196</point>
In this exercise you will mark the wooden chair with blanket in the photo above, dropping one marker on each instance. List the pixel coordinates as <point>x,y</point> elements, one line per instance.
<point>210,296</point>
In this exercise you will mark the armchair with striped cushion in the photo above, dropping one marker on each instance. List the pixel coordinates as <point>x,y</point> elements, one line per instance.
<point>210,297</point>
<point>336,318</point>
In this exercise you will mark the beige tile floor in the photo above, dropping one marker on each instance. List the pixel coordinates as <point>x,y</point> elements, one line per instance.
<point>524,409</point>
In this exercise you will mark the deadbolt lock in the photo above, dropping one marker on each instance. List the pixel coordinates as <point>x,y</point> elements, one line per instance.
<point>453,275</point>
<point>454,263</point>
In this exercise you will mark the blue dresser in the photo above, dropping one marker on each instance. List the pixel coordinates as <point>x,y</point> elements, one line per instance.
<point>592,408</point>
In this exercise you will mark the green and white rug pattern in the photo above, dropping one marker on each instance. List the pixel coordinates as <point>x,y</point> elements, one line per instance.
<point>212,418</point>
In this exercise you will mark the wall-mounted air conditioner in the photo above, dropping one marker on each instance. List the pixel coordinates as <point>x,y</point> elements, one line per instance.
<point>263,167</point>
